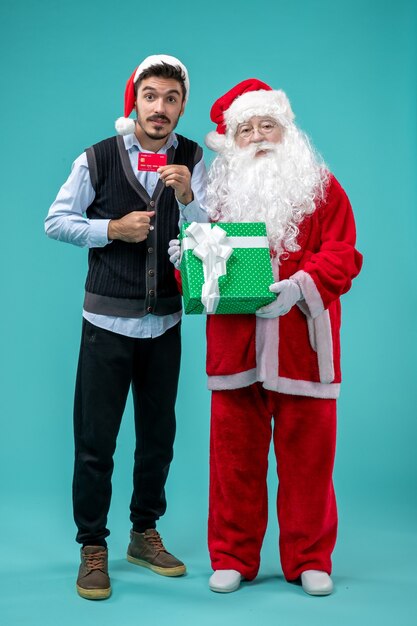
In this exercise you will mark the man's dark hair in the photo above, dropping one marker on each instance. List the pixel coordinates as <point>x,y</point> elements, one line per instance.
<point>163,70</point>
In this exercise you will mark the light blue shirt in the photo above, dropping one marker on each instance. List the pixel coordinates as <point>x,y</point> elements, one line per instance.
<point>66,221</point>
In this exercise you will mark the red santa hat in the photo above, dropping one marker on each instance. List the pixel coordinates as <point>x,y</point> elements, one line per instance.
<point>249,98</point>
<point>125,125</point>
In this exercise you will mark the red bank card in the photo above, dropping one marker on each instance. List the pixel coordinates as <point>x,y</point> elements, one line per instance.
<point>149,162</point>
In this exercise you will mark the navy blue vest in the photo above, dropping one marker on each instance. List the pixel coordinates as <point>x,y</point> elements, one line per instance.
<point>132,279</point>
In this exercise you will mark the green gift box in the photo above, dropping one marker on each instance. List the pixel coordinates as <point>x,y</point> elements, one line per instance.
<point>225,267</point>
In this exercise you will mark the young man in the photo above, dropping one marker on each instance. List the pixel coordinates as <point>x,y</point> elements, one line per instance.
<point>283,363</point>
<point>125,212</point>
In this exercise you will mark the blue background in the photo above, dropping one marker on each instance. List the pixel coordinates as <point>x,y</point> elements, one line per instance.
<point>349,69</point>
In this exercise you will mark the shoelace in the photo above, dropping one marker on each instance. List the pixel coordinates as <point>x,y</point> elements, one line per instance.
<point>97,560</point>
<point>156,541</point>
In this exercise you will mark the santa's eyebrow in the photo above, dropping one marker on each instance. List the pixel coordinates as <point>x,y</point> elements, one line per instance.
<point>263,119</point>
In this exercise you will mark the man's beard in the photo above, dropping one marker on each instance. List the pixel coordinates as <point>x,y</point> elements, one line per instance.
<point>162,133</point>
<point>279,187</point>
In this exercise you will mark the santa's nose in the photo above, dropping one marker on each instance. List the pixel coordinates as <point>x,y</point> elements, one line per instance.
<point>256,136</point>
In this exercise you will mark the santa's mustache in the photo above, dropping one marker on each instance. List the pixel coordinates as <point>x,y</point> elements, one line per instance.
<point>250,151</point>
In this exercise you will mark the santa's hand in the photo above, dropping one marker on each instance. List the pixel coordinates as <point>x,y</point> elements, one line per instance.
<point>289,293</point>
<point>174,252</point>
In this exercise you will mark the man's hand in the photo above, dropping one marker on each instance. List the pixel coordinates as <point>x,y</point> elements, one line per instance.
<point>288,294</point>
<point>178,177</point>
<point>133,227</point>
<point>174,251</point>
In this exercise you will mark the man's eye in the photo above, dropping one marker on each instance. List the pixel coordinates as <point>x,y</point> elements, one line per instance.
<point>172,100</point>
<point>149,96</point>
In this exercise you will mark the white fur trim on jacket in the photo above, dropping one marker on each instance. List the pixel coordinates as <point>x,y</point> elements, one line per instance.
<point>280,384</point>
<point>320,335</point>
<point>319,325</point>
<point>267,345</point>
<point>303,388</point>
<point>312,304</point>
<point>232,381</point>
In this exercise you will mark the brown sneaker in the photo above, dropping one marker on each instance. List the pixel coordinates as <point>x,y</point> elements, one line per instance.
<point>147,549</point>
<point>93,582</point>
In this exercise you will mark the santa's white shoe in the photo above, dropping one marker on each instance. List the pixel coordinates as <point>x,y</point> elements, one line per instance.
<point>316,583</point>
<point>225,580</point>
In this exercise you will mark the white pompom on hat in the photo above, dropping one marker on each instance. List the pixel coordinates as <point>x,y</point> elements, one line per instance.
<point>125,125</point>
<point>247,99</point>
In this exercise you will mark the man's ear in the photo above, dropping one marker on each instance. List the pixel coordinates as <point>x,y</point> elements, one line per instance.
<point>182,108</point>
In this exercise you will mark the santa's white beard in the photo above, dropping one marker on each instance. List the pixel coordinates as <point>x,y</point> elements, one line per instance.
<point>279,188</point>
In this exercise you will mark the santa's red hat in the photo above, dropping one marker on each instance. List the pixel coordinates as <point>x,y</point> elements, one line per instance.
<point>249,98</point>
<point>125,125</point>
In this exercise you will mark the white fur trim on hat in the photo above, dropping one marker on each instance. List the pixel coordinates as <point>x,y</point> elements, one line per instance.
<point>158,59</point>
<point>215,141</point>
<point>259,103</point>
<point>125,125</point>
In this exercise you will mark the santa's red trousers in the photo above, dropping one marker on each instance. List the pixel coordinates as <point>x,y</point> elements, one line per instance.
<point>304,436</point>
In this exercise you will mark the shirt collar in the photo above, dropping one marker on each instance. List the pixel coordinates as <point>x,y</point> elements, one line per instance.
<point>132,142</point>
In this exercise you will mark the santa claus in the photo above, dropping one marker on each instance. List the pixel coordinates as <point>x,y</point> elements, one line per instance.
<point>276,374</point>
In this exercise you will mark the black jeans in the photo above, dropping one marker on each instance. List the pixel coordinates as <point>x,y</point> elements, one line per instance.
<point>108,364</point>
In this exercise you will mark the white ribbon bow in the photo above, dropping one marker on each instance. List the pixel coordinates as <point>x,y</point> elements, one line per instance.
<point>211,246</point>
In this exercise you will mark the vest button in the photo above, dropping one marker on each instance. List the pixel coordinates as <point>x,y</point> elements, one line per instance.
<point>151,292</point>
<point>151,227</point>
<point>151,272</point>
<point>149,309</point>
<point>150,250</point>
<point>152,203</point>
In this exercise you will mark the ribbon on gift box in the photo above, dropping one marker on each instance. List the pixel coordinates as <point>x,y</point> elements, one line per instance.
<point>211,246</point>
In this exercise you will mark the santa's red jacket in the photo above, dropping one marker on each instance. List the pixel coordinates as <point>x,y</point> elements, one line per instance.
<point>298,353</point>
